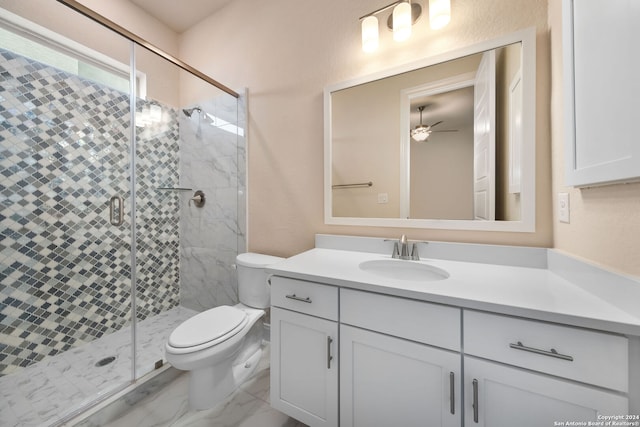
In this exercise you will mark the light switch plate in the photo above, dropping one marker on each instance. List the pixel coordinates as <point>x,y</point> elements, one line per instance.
<point>383,198</point>
<point>563,207</point>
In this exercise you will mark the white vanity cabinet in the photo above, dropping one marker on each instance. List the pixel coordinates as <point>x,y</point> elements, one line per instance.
<point>358,358</point>
<point>304,351</point>
<point>528,373</point>
<point>386,380</point>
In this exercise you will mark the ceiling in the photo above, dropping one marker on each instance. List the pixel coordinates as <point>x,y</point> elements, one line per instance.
<point>180,15</point>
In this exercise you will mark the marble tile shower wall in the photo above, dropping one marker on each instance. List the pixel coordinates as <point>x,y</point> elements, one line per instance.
<point>64,270</point>
<point>212,159</point>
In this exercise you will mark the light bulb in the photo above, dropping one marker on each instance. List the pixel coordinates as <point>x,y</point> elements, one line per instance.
<point>402,21</point>
<point>439,13</point>
<point>369,34</point>
<point>420,133</point>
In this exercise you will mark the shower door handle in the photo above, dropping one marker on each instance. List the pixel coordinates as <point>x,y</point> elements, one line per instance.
<point>116,210</point>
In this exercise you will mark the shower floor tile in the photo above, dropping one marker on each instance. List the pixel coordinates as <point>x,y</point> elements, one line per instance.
<point>46,392</point>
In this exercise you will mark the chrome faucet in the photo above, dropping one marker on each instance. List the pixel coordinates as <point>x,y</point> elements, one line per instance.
<point>401,249</point>
<point>404,247</point>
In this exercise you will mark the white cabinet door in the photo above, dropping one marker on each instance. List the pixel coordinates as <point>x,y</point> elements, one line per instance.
<point>501,396</point>
<point>601,63</point>
<point>387,381</point>
<point>304,367</point>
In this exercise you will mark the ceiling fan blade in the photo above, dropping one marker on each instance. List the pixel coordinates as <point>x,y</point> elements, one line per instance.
<point>435,124</point>
<point>447,130</point>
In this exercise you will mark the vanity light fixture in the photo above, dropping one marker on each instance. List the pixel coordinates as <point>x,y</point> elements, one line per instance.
<point>439,13</point>
<point>401,18</point>
<point>369,33</point>
<point>405,14</point>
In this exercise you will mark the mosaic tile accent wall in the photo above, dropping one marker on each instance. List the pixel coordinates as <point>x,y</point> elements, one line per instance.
<point>64,270</point>
<point>158,242</point>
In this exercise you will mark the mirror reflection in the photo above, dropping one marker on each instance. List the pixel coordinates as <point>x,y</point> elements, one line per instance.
<point>445,144</point>
<point>440,142</point>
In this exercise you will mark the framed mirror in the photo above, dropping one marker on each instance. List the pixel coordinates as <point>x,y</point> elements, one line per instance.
<point>446,142</point>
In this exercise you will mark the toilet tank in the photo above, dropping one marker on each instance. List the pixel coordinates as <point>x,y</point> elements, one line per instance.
<point>253,289</point>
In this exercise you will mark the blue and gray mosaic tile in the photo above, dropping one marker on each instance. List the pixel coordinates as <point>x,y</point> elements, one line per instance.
<point>64,270</point>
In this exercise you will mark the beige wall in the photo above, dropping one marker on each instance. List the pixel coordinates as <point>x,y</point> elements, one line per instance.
<point>366,143</point>
<point>162,77</point>
<point>286,52</point>
<point>64,21</point>
<point>366,147</point>
<point>126,14</point>
<point>605,221</point>
<point>442,176</point>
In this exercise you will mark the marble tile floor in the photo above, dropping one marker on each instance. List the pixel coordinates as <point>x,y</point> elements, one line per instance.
<point>47,392</point>
<point>246,407</point>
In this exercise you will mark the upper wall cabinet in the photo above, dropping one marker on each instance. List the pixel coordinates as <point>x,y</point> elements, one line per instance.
<point>602,91</point>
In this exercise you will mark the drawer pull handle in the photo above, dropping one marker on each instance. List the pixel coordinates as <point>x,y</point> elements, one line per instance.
<point>551,353</point>
<point>329,356</point>
<point>307,299</point>
<point>452,393</point>
<point>475,401</point>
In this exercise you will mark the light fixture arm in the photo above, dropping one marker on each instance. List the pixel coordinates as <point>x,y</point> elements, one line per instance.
<point>405,15</point>
<point>382,9</point>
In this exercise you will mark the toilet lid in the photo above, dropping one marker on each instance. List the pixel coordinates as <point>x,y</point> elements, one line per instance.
<point>208,326</point>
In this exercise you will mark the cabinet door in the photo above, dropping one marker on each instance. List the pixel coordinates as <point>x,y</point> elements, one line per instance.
<point>502,396</point>
<point>387,381</point>
<point>601,68</point>
<point>304,367</point>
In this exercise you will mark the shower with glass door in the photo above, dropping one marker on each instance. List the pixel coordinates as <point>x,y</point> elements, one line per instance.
<point>94,206</point>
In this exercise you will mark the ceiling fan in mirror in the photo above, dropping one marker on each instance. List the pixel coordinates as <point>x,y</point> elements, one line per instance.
<point>421,132</point>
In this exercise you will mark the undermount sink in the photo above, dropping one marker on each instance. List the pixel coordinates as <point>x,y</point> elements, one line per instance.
<point>403,270</point>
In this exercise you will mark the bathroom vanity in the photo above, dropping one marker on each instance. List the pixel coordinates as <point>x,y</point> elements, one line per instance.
<point>470,335</point>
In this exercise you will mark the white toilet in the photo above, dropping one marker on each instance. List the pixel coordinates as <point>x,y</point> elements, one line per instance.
<point>222,346</point>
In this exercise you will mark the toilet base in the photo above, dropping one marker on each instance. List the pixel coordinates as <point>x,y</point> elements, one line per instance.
<point>209,386</point>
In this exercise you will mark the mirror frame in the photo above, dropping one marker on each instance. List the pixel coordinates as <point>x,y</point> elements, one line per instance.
<point>528,192</point>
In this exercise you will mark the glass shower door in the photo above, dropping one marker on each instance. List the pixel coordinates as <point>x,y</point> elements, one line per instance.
<point>102,252</point>
<point>65,223</point>
<point>186,141</point>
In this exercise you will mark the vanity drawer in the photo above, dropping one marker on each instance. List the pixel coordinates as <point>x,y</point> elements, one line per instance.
<point>419,321</point>
<point>305,297</point>
<point>583,355</point>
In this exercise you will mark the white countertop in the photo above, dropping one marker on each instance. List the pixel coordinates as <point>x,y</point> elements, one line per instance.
<point>537,293</point>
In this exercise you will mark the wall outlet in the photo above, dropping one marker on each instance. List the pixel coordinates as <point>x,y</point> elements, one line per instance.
<point>383,198</point>
<point>563,207</point>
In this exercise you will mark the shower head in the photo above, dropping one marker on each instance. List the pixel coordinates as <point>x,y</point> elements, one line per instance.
<point>189,111</point>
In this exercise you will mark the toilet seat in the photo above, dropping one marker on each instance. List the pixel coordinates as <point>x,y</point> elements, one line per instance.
<point>208,328</point>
